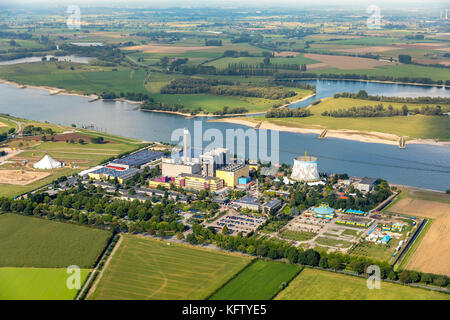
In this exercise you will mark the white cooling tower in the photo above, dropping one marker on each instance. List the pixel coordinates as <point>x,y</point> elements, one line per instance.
<point>305,169</point>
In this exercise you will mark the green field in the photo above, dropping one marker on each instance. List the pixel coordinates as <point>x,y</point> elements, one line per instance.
<point>313,284</point>
<point>144,269</point>
<point>34,242</point>
<point>297,235</point>
<point>260,280</point>
<point>36,284</point>
<point>396,71</point>
<point>85,79</point>
<point>413,127</point>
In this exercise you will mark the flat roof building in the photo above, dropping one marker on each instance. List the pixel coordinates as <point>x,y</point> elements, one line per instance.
<point>198,182</point>
<point>231,173</point>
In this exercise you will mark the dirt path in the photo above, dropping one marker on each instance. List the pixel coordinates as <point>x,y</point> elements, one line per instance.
<point>97,281</point>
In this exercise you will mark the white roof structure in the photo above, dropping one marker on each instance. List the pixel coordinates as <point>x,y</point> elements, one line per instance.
<point>47,162</point>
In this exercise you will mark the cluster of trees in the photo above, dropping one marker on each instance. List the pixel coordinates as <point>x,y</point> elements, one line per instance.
<point>304,197</point>
<point>96,140</point>
<point>258,69</point>
<point>135,96</point>
<point>92,206</point>
<point>352,76</point>
<point>362,94</point>
<point>172,64</point>
<point>228,110</point>
<point>380,111</point>
<point>109,53</point>
<point>224,87</point>
<point>282,250</point>
<point>213,43</point>
<point>288,113</point>
<point>193,85</point>
<point>273,93</point>
<point>32,130</point>
<point>163,106</point>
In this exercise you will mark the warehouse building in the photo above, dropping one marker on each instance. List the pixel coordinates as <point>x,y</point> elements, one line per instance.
<point>198,182</point>
<point>135,160</point>
<point>231,173</point>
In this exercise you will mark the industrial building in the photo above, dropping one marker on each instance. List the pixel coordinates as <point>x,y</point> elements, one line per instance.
<point>198,182</point>
<point>248,203</point>
<point>105,173</point>
<point>214,159</point>
<point>305,169</point>
<point>366,184</point>
<point>135,160</point>
<point>231,173</point>
<point>272,206</point>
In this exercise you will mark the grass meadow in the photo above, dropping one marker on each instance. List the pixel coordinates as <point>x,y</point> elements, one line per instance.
<point>35,242</point>
<point>413,127</point>
<point>145,269</point>
<point>260,280</point>
<point>37,284</point>
<point>313,284</point>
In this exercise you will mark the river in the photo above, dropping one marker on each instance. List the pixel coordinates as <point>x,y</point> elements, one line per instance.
<point>425,166</point>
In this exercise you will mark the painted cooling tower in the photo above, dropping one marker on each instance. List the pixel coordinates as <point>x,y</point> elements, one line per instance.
<point>305,169</point>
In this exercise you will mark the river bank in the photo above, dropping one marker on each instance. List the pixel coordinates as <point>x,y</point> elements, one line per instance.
<point>355,135</point>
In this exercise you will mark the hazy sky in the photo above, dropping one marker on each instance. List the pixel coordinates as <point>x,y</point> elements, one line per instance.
<point>235,3</point>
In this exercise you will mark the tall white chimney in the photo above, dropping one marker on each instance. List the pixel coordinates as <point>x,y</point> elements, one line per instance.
<point>185,151</point>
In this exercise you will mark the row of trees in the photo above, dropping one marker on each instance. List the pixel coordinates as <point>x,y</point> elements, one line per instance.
<point>282,250</point>
<point>228,110</point>
<point>379,111</point>
<point>353,76</point>
<point>288,113</point>
<point>362,94</point>
<point>224,87</point>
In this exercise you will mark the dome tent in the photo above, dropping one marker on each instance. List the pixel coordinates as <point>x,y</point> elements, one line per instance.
<point>47,162</point>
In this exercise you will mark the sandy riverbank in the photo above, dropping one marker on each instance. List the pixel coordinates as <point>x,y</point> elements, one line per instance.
<point>367,137</point>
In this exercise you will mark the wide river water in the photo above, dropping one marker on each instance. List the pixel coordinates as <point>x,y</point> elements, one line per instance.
<point>424,166</point>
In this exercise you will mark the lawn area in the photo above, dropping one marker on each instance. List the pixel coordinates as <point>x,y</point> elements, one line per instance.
<point>396,71</point>
<point>413,127</point>
<point>326,241</point>
<point>144,269</point>
<point>85,79</point>
<point>34,242</point>
<point>6,124</point>
<point>297,235</point>
<point>376,251</point>
<point>37,284</point>
<point>260,280</point>
<point>313,284</point>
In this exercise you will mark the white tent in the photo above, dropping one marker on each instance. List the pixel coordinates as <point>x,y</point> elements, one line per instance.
<point>47,162</point>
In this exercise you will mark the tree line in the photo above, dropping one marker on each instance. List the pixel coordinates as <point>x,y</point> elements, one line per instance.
<point>380,111</point>
<point>352,76</point>
<point>334,261</point>
<point>288,113</point>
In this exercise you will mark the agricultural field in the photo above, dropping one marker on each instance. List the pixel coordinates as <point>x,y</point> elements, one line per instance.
<point>429,253</point>
<point>70,146</point>
<point>37,284</point>
<point>34,242</point>
<point>412,127</point>
<point>146,269</point>
<point>260,280</point>
<point>313,284</point>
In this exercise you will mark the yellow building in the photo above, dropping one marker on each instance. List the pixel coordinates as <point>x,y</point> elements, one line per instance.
<point>253,166</point>
<point>155,184</point>
<point>231,173</point>
<point>198,182</point>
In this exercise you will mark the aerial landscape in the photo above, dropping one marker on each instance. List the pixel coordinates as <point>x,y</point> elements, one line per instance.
<point>224,151</point>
